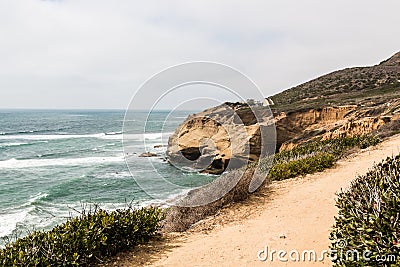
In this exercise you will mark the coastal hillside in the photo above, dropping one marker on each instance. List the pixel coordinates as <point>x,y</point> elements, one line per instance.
<point>344,103</point>
<point>364,86</point>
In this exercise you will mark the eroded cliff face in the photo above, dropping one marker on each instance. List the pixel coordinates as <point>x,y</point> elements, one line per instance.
<point>291,126</point>
<point>358,127</point>
<point>333,122</point>
<point>227,136</point>
<point>345,102</point>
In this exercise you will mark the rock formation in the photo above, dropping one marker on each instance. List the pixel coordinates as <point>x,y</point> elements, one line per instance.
<point>225,137</point>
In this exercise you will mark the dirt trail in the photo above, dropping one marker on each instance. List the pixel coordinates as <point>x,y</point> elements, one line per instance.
<point>297,217</point>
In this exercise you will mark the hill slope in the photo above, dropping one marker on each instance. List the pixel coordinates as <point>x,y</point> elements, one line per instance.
<point>349,102</point>
<point>352,86</point>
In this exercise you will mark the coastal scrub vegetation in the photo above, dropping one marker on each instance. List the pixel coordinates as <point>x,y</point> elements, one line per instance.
<point>363,86</point>
<point>369,218</point>
<point>315,156</point>
<point>84,240</point>
<point>293,168</point>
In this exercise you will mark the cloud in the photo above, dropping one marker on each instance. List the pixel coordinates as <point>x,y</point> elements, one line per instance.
<point>95,54</point>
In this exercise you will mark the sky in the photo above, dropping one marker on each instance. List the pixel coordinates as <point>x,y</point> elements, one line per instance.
<point>95,54</point>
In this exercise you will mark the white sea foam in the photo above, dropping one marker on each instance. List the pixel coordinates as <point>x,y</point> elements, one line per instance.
<point>147,136</point>
<point>156,136</point>
<point>13,144</point>
<point>166,202</point>
<point>19,214</point>
<point>110,136</point>
<point>50,136</point>
<point>32,163</point>
<point>113,133</point>
<point>78,115</point>
<point>116,136</point>
<point>9,221</point>
<point>107,136</point>
<point>36,197</point>
<point>116,175</point>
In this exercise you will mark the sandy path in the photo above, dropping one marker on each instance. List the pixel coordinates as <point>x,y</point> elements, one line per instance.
<point>302,210</point>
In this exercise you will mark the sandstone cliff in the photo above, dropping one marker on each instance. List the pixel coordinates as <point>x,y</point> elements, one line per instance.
<point>228,136</point>
<point>355,121</point>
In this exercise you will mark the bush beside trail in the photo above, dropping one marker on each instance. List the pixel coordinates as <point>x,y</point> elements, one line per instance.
<point>369,218</point>
<point>84,240</point>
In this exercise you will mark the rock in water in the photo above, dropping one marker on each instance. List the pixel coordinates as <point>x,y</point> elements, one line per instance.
<point>148,155</point>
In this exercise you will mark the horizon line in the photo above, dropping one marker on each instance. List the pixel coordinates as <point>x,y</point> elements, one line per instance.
<point>86,109</point>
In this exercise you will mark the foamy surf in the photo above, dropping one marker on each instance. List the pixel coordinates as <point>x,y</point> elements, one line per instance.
<point>59,136</point>
<point>13,217</point>
<point>107,136</point>
<point>9,221</point>
<point>147,136</point>
<point>32,163</point>
<point>12,144</point>
<point>75,160</point>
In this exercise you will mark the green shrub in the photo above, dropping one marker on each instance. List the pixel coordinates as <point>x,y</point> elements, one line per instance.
<point>313,156</point>
<point>315,163</point>
<point>84,240</point>
<point>335,146</point>
<point>369,217</point>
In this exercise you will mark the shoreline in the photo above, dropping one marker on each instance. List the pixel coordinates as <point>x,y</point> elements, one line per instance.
<point>282,216</point>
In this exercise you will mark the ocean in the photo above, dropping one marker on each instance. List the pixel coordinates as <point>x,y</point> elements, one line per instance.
<point>53,163</point>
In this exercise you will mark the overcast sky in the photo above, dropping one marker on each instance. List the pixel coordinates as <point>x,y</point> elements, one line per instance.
<point>96,53</point>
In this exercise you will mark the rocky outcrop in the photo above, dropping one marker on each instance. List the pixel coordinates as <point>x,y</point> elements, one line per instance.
<point>353,121</point>
<point>225,137</point>
<point>230,136</point>
<point>312,122</point>
<point>359,127</point>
